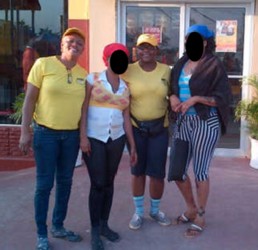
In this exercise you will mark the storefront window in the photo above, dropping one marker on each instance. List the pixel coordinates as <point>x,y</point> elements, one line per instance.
<point>35,23</point>
<point>163,22</point>
<point>229,31</point>
<point>228,23</point>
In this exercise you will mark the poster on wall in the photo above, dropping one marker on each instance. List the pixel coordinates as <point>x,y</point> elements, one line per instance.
<point>154,30</point>
<point>226,35</point>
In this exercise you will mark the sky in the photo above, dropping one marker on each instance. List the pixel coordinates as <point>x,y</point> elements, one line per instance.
<point>47,17</point>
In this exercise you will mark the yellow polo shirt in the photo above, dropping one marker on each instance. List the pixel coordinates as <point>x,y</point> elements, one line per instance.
<point>59,102</point>
<point>148,90</point>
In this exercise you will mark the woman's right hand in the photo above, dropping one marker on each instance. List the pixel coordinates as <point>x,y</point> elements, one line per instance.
<point>85,145</point>
<point>175,103</point>
<point>133,156</point>
<point>25,141</point>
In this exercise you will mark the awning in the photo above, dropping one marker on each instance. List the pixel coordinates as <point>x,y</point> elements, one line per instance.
<point>20,5</point>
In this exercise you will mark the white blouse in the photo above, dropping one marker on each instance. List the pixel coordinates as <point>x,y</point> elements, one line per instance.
<point>105,122</point>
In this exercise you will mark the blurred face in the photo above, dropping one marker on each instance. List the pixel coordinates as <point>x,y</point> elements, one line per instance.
<point>147,52</point>
<point>118,62</point>
<point>72,45</point>
<point>195,46</point>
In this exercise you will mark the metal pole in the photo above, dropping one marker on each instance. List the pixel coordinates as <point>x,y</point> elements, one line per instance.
<point>11,28</point>
<point>33,22</point>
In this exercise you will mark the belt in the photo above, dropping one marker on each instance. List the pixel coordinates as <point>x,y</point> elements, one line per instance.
<point>43,126</point>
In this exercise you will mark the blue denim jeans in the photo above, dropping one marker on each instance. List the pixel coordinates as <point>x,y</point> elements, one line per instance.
<point>55,154</point>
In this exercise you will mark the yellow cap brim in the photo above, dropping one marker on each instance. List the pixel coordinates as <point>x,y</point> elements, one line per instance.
<point>76,31</point>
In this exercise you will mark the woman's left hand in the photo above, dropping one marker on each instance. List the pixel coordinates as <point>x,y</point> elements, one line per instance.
<point>85,145</point>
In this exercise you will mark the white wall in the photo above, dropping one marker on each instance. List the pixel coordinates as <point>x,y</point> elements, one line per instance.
<point>102,30</point>
<point>255,42</point>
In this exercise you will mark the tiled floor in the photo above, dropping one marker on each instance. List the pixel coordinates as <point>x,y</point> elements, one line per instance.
<point>232,212</point>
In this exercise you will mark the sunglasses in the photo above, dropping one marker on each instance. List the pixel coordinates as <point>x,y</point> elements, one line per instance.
<point>146,47</point>
<point>69,76</point>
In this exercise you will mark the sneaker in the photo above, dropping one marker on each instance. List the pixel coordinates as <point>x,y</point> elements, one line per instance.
<point>161,218</point>
<point>65,234</point>
<point>43,244</point>
<point>136,222</point>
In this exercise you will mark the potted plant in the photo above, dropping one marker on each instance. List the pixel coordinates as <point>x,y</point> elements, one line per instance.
<point>248,110</point>
<point>17,107</point>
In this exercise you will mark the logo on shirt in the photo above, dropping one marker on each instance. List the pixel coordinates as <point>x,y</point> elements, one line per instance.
<point>80,81</point>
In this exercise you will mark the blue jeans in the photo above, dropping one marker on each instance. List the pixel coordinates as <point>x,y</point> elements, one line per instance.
<point>55,153</point>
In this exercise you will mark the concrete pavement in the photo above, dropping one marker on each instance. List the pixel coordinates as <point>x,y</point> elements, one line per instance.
<point>232,212</point>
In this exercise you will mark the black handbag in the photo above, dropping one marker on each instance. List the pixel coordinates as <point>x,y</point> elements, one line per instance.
<point>178,158</point>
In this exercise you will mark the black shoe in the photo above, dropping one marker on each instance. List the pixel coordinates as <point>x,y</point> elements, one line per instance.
<point>109,234</point>
<point>65,234</point>
<point>42,244</point>
<point>96,242</point>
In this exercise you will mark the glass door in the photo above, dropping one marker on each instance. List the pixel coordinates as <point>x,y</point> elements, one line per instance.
<point>228,23</point>
<point>162,21</point>
<point>170,21</point>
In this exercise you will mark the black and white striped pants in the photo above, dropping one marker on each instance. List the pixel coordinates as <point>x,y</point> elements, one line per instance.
<point>202,136</point>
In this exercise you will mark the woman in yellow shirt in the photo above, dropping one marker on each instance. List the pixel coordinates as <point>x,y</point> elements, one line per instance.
<point>148,81</point>
<point>54,97</point>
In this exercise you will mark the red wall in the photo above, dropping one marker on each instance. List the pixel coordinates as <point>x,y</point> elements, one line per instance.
<point>84,26</point>
<point>11,158</point>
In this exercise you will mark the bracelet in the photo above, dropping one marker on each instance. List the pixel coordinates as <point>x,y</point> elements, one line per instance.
<point>201,212</point>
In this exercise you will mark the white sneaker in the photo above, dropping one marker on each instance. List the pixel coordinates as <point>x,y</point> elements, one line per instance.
<point>136,222</point>
<point>161,218</point>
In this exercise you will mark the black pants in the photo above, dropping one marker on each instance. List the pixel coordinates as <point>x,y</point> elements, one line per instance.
<point>102,166</point>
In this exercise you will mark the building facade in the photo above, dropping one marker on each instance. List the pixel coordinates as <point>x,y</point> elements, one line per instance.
<point>235,24</point>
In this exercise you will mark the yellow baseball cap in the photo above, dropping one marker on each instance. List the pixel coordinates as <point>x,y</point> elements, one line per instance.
<point>147,38</point>
<point>74,30</point>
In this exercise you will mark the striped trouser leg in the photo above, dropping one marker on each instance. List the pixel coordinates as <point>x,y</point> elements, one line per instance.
<point>203,136</point>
